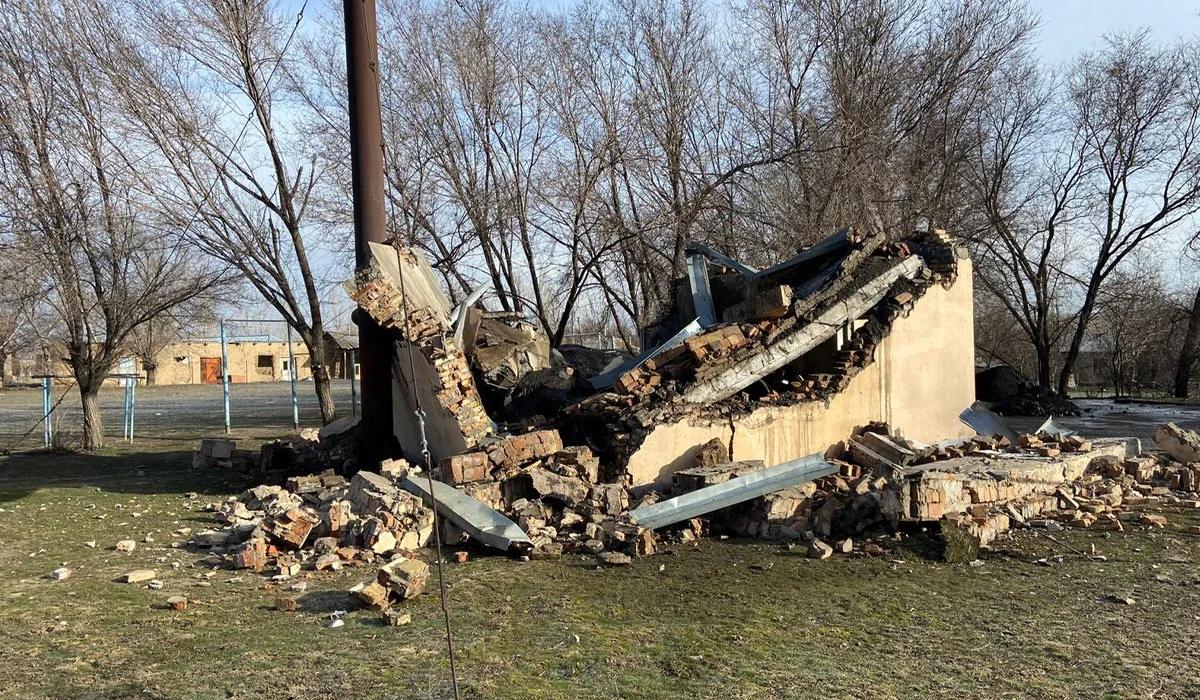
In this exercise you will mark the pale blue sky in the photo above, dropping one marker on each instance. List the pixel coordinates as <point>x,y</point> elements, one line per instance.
<point>1072,26</point>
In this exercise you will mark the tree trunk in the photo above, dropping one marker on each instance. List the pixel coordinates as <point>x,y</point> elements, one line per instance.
<point>324,392</point>
<point>1085,317</point>
<point>3,369</point>
<point>315,343</point>
<point>1043,361</point>
<point>1188,355</point>
<point>93,426</point>
<point>151,373</point>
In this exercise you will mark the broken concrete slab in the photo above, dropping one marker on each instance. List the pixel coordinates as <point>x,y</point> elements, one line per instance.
<point>137,576</point>
<point>743,488</point>
<point>787,349</point>
<point>773,303</point>
<point>476,519</point>
<point>701,477</point>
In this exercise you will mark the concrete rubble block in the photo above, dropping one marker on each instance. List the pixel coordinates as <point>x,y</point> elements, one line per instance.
<point>819,550</point>
<point>611,559</point>
<point>215,452</point>
<point>699,477</point>
<point>338,427</point>
<point>291,529</point>
<point>712,453</point>
<point>861,453</point>
<point>771,303</point>
<point>565,489</point>
<point>372,595</point>
<point>1183,445</point>
<point>406,578</point>
<point>613,498</point>
<point>581,458</point>
<point>395,618</point>
<point>644,543</point>
<point>137,576</point>
<point>889,448</point>
<point>372,493</point>
<point>1142,468</point>
<point>465,468</point>
<point>505,350</point>
<point>524,448</point>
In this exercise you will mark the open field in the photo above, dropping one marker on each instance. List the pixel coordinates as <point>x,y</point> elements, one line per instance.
<point>690,622</point>
<point>167,412</point>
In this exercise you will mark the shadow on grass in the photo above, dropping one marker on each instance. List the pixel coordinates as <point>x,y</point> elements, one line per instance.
<point>168,471</point>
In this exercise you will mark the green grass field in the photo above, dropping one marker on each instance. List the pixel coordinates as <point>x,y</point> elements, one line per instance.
<point>690,622</point>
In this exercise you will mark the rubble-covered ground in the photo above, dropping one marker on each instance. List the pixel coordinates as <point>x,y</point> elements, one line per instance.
<point>738,618</point>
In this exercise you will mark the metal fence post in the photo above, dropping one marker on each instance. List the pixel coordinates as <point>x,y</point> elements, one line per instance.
<point>47,429</point>
<point>225,375</point>
<point>125,426</point>
<point>293,373</point>
<point>353,386</point>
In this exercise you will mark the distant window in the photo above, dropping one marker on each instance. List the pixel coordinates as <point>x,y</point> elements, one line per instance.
<point>181,359</point>
<point>266,361</point>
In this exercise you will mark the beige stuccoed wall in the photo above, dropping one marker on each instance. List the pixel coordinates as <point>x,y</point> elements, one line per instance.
<point>922,378</point>
<point>243,361</point>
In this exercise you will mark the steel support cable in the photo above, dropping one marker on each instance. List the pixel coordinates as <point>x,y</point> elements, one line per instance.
<point>419,413</point>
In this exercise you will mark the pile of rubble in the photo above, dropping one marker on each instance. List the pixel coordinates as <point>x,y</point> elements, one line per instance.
<point>555,495</point>
<point>1010,393</point>
<point>558,478</point>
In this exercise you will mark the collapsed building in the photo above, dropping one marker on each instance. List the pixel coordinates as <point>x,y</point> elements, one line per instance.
<point>829,398</point>
<point>779,363</point>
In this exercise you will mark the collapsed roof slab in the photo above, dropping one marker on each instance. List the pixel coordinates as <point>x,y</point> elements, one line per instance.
<point>786,350</point>
<point>921,377</point>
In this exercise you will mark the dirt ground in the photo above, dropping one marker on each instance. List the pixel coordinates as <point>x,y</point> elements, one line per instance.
<point>723,619</point>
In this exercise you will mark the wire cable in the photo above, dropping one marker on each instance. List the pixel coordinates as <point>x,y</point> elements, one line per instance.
<point>419,413</point>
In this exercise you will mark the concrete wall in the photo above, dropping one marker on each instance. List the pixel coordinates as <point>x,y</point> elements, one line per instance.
<point>180,363</point>
<point>923,376</point>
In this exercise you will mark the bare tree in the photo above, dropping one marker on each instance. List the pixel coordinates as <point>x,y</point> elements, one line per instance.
<point>1137,330</point>
<point>1189,352</point>
<point>148,341</point>
<point>245,178</point>
<point>18,296</point>
<point>1136,108</point>
<point>1026,184</point>
<point>78,222</point>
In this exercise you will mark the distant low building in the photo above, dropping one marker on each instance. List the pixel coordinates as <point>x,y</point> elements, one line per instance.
<point>251,359</point>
